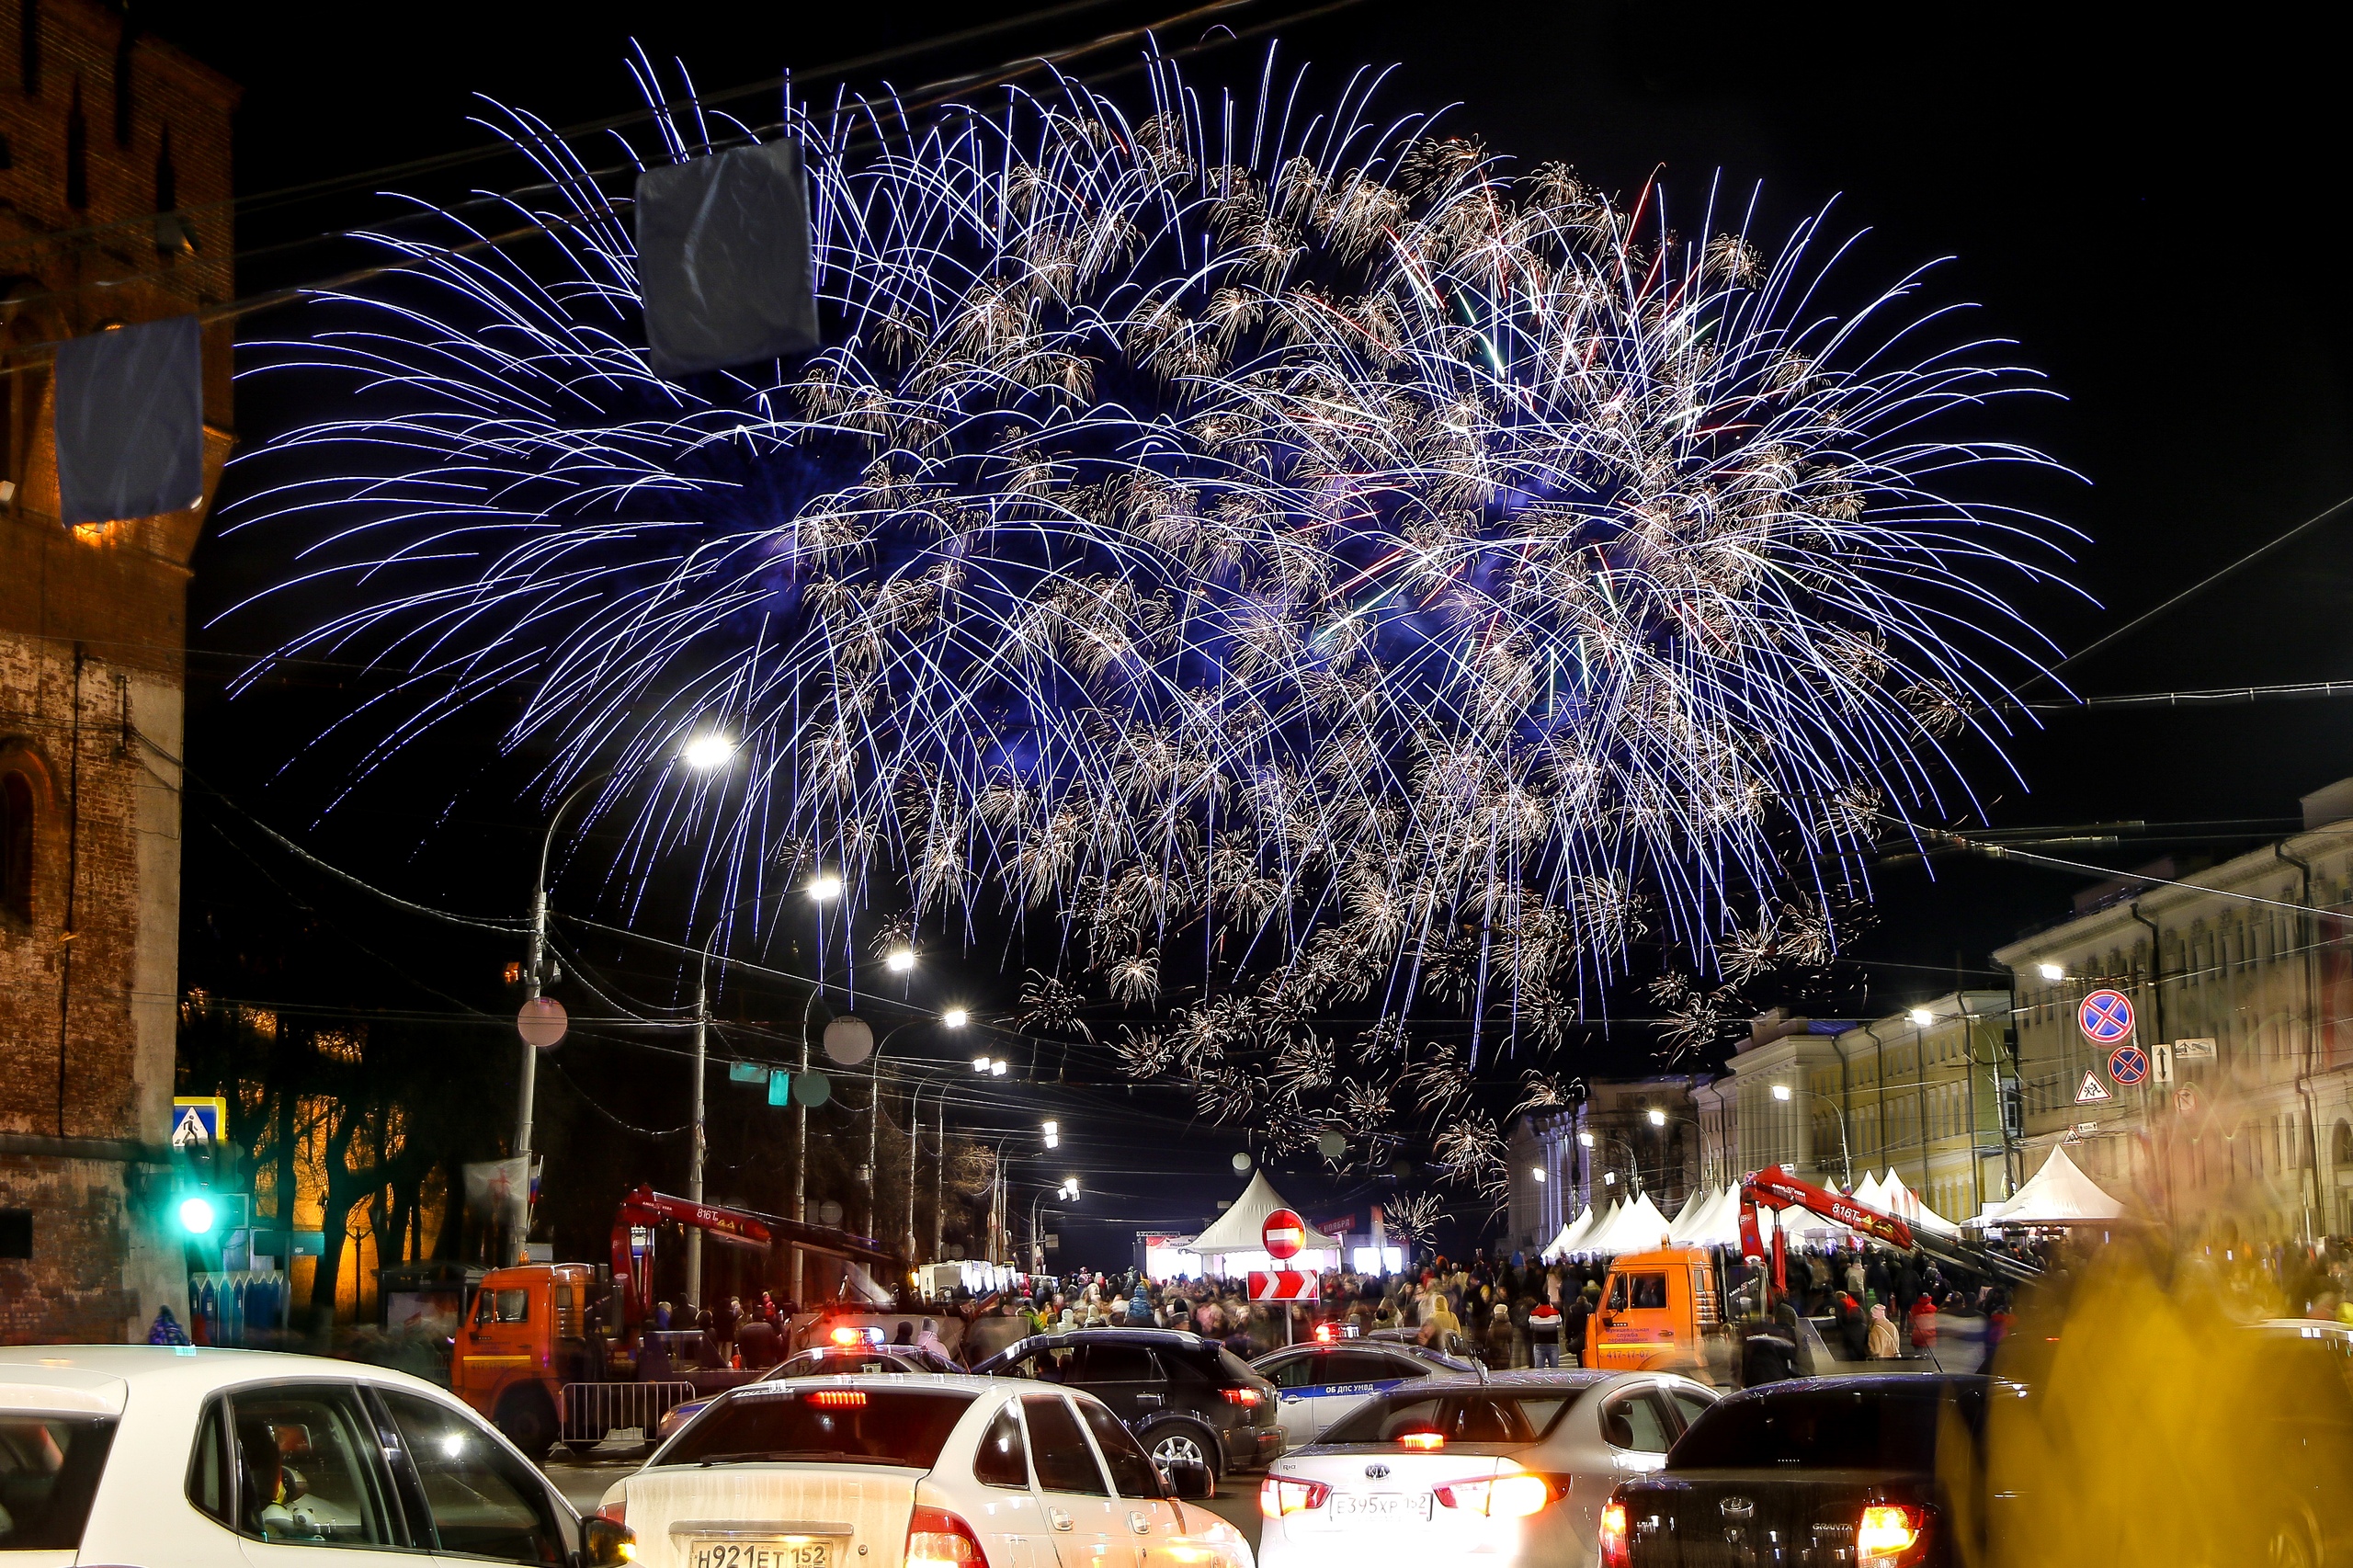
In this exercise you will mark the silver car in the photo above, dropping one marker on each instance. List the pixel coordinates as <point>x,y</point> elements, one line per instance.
<point>1506,1470</point>
<point>1319,1384</point>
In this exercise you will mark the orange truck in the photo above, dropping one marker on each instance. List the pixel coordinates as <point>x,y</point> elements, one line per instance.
<point>550,1350</point>
<point>1661,1312</point>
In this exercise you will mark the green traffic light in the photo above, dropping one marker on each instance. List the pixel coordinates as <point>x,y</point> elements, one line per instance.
<point>195,1216</point>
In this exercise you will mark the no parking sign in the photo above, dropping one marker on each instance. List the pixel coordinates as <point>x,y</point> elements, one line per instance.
<point>2106,1017</point>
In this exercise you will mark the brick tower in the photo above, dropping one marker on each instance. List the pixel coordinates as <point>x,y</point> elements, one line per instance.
<point>114,209</point>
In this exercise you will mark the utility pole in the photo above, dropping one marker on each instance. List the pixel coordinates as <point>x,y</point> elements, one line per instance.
<point>801,1155</point>
<point>694,1168</point>
<point>940,1179</point>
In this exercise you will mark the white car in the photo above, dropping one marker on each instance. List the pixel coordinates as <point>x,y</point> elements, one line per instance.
<point>914,1471</point>
<point>1317,1385</point>
<point>1503,1471</point>
<point>151,1457</point>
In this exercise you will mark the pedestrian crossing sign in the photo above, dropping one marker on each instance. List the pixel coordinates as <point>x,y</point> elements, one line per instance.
<point>198,1120</point>
<point>2093,1091</point>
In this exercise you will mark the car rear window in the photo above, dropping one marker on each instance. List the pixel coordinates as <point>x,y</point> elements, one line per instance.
<point>1873,1428</point>
<point>1458,1418</point>
<point>49,1467</point>
<point>822,1425</point>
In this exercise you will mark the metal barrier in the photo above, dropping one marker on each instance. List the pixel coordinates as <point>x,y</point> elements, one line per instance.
<point>593,1413</point>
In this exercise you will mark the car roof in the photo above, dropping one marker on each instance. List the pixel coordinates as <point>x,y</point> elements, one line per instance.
<point>199,1366</point>
<point>1866,1382</point>
<point>1527,1380</point>
<point>1176,1338</point>
<point>965,1383</point>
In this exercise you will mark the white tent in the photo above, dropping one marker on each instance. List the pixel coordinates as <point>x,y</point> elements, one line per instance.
<point>2059,1194</point>
<point>1636,1227</point>
<point>1236,1244</point>
<point>1577,1238</point>
<point>1902,1200</point>
<point>1566,1241</point>
<point>1701,1198</point>
<point>1719,1226</point>
<point>1871,1192</point>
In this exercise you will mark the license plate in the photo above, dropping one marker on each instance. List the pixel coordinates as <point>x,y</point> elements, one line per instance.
<point>781,1551</point>
<point>1379,1507</point>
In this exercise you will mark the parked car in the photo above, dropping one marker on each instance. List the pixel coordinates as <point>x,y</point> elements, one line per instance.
<point>1316,1385</point>
<point>1506,1470</point>
<point>824,1361</point>
<point>1186,1398</point>
<point>240,1459</point>
<point>1851,1465</point>
<point>878,1472</point>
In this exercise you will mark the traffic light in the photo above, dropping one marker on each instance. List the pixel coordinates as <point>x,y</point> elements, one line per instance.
<point>197,1214</point>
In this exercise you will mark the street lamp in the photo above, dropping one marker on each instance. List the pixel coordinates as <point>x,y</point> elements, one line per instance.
<point>1054,1131</point>
<point>1065,1194</point>
<point>704,753</point>
<point>900,960</point>
<point>1658,1119</point>
<point>1921,1018</point>
<point>2051,972</point>
<point>825,887</point>
<point>1783,1093</point>
<point>955,1018</point>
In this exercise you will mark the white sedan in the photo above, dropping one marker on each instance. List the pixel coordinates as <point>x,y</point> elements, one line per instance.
<point>1510,1471</point>
<point>151,1457</point>
<point>914,1471</point>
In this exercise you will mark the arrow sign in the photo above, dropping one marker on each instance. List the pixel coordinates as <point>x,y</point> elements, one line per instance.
<point>1283,1287</point>
<point>2093,1091</point>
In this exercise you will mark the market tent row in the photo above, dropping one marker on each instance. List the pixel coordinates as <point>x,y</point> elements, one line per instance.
<point>1235,1245</point>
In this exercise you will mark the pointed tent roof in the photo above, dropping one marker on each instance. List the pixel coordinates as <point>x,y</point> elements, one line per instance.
<point>1870,1190</point>
<point>1637,1226</point>
<point>2059,1194</point>
<point>1701,1198</point>
<point>1567,1239</point>
<point>1697,1224</point>
<point>1579,1236</point>
<point>1902,1200</point>
<point>1241,1228</point>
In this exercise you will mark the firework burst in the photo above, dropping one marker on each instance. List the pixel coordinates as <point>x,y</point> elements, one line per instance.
<point>1293,556</point>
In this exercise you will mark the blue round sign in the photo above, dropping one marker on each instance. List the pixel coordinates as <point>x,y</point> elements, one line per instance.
<point>2106,1017</point>
<point>2128,1064</point>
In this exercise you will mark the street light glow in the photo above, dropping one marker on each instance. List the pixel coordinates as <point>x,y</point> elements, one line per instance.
<point>1054,1131</point>
<point>1781,1091</point>
<point>955,1018</point>
<point>996,1068</point>
<point>824,885</point>
<point>1538,1172</point>
<point>1658,1119</point>
<point>1585,1139</point>
<point>980,1063</point>
<point>2051,972</point>
<point>1921,1017</point>
<point>900,959</point>
<point>708,751</point>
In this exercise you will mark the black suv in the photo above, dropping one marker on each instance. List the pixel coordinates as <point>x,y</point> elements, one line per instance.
<point>1186,1398</point>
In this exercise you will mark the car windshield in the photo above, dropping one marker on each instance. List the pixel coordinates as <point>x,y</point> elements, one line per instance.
<point>1870,1429</point>
<point>821,1423</point>
<point>49,1467</point>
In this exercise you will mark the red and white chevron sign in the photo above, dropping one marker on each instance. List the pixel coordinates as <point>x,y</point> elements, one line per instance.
<point>1283,1287</point>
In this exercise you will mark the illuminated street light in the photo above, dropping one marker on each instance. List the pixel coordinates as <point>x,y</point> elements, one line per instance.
<point>1781,1091</point>
<point>900,959</point>
<point>1538,1172</point>
<point>1585,1139</point>
<point>2051,972</point>
<point>996,1068</point>
<point>980,1063</point>
<point>707,752</point>
<point>823,886</point>
<point>1658,1119</point>
<point>955,1018</point>
<point>1921,1017</point>
<point>1054,1131</point>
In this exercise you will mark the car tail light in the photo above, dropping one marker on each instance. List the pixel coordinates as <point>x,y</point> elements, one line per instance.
<point>1421,1442</point>
<point>838,1399</point>
<point>1241,1396</point>
<point>1280,1495</point>
<point>1889,1533</point>
<point>1500,1497</point>
<point>937,1538</point>
<point>1617,1551</point>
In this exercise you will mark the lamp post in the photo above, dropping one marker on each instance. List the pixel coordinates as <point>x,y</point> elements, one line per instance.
<point>953,1019</point>
<point>1064,1195</point>
<point>1634,1161</point>
<point>823,888</point>
<point>704,753</point>
<point>1782,1092</point>
<point>1658,1119</point>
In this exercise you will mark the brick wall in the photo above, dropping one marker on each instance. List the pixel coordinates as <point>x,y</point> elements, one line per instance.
<point>92,640</point>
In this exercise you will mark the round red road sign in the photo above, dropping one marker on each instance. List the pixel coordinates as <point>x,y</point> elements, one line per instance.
<point>1284,1232</point>
<point>541,1022</point>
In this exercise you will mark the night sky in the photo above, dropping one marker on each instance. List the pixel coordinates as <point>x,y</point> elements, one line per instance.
<point>2154,214</point>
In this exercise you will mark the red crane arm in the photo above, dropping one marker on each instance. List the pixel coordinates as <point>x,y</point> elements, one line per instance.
<point>644,1206</point>
<point>1774,1189</point>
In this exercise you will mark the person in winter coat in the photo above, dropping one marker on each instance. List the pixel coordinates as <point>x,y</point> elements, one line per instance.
<point>1575,1324</point>
<point>1545,1335</point>
<point>1882,1341</point>
<point>1924,1322</point>
<point>1854,1328</point>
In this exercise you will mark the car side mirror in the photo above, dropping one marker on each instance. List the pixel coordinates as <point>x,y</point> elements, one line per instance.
<point>604,1544</point>
<point>1190,1481</point>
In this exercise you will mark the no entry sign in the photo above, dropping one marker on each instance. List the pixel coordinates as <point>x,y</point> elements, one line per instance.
<point>2106,1017</point>
<point>1284,1232</point>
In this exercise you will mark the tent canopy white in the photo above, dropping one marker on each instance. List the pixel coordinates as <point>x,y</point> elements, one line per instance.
<point>1716,1223</point>
<point>1871,1191</point>
<point>2059,1194</point>
<point>1902,1200</point>
<point>1242,1229</point>
<point>1566,1241</point>
<point>1637,1226</point>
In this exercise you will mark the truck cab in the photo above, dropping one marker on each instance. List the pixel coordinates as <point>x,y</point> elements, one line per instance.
<point>523,1338</point>
<point>1659,1311</point>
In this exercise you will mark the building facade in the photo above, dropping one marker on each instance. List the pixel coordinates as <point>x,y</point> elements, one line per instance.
<point>114,192</point>
<point>2249,962</point>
